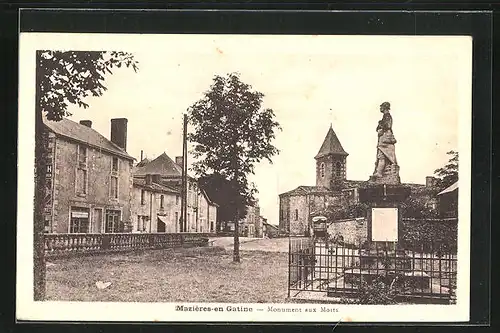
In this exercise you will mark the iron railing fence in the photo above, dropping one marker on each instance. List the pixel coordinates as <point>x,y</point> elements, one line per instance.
<point>424,275</point>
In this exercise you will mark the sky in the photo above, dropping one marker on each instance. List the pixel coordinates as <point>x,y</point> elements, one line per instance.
<point>311,82</point>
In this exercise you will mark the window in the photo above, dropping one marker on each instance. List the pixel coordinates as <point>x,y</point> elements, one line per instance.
<point>161,201</point>
<point>177,200</point>
<point>81,171</point>
<point>49,171</point>
<point>296,214</point>
<point>82,155</point>
<point>143,197</point>
<point>338,169</point>
<point>79,220</point>
<point>113,192</point>
<point>114,165</point>
<point>81,181</point>
<point>112,221</point>
<point>114,187</point>
<point>322,170</point>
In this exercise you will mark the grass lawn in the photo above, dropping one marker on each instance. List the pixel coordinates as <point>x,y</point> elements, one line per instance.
<point>180,275</point>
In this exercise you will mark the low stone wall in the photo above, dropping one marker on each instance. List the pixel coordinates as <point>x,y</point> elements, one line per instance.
<point>414,232</point>
<point>349,231</point>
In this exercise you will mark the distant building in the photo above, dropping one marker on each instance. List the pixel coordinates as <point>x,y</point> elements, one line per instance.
<point>448,201</point>
<point>270,230</point>
<point>251,224</point>
<point>201,210</point>
<point>332,190</point>
<point>88,178</point>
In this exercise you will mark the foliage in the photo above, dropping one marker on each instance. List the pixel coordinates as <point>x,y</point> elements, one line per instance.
<point>223,193</point>
<point>416,205</point>
<point>232,132</point>
<point>375,292</point>
<point>68,77</point>
<point>448,174</point>
<point>421,234</point>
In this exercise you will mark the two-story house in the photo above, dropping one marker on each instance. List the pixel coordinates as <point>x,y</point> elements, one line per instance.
<point>89,178</point>
<point>201,211</point>
<point>155,206</point>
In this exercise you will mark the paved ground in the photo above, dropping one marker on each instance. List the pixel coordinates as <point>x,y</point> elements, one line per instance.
<point>254,244</point>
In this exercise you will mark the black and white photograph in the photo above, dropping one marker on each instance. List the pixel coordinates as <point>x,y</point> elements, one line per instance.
<point>189,177</point>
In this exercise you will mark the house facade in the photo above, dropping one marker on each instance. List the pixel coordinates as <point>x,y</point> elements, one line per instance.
<point>155,207</point>
<point>251,224</point>
<point>89,178</point>
<point>201,211</point>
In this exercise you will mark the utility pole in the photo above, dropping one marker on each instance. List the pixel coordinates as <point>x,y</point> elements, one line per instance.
<point>184,176</point>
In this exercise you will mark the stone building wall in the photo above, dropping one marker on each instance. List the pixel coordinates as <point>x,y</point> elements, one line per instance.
<point>97,197</point>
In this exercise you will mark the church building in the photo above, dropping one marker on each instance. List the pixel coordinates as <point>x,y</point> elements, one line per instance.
<point>332,189</point>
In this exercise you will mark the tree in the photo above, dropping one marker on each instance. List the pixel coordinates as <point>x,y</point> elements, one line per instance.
<point>221,191</point>
<point>63,78</point>
<point>232,132</point>
<point>448,174</point>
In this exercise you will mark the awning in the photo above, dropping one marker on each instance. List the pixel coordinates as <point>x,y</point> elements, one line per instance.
<point>450,188</point>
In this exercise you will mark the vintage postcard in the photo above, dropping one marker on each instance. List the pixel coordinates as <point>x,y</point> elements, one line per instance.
<point>244,178</point>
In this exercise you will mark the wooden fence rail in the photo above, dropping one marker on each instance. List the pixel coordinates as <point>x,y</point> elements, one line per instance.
<point>66,244</point>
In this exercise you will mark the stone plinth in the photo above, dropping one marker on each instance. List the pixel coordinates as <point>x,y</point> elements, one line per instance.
<point>383,196</point>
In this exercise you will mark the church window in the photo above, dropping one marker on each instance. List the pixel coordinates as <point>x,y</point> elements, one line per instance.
<point>322,170</point>
<point>338,169</point>
<point>296,214</point>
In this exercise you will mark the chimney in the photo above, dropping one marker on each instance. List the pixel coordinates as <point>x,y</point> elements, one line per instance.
<point>149,179</point>
<point>430,181</point>
<point>119,132</point>
<point>141,156</point>
<point>87,123</point>
<point>178,160</point>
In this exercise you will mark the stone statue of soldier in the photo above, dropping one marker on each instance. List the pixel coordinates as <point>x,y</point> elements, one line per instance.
<point>386,152</point>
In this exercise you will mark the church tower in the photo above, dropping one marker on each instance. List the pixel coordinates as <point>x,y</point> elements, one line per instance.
<point>331,162</point>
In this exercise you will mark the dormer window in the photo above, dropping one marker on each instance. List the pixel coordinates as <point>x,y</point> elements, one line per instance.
<point>322,170</point>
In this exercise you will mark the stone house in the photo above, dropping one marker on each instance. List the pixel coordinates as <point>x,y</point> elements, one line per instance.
<point>155,207</point>
<point>89,178</point>
<point>201,210</point>
<point>448,201</point>
<point>269,230</point>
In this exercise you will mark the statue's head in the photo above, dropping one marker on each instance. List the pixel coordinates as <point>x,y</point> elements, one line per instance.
<point>386,106</point>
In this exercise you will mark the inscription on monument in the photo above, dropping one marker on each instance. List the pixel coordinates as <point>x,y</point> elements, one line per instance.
<point>384,224</point>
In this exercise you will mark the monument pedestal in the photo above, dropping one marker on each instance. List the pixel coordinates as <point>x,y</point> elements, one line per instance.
<point>384,214</point>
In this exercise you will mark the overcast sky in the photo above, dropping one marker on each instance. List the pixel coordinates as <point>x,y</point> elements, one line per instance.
<point>309,81</point>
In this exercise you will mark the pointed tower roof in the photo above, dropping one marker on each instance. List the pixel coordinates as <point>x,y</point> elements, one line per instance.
<point>331,145</point>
